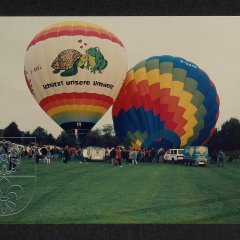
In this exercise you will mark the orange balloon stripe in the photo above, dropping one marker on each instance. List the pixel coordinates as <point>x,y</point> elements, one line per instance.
<point>75,98</point>
<point>150,97</point>
<point>69,30</point>
<point>82,101</point>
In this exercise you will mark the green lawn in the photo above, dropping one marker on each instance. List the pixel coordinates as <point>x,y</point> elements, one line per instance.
<point>147,193</point>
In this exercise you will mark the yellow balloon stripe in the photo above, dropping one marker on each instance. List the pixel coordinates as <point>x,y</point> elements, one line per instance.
<point>186,136</point>
<point>137,144</point>
<point>153,76</point>
<point>176,88</point>
<point>67,114</point>
<point>130,77</point>
<point>165,80</point>
<point>74,107</point>
<point>190,124</point>
<point>189,112</point>
<point>72,23</point>
<point>186,96</point>
<point>140,75</point>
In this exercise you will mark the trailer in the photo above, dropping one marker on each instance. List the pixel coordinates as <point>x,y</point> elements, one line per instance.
<point>94,153</point>
<point>195,156</point>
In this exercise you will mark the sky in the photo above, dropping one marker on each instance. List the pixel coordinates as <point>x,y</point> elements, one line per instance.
<point>212,43</point>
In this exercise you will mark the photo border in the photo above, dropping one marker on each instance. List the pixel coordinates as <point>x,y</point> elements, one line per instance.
<point>120,8</point>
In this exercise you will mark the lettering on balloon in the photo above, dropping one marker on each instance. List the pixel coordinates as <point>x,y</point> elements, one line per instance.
<point>100,84</point>
<point>188,64</point>
<point>77,82</point>
<point>53,84</point>
<point>35,69</point>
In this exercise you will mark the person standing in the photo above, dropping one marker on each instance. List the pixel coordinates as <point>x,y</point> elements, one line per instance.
<point>2,151</point>
<point>79,154</point>
<point>13,159</point>
<point>134,157</point>
<point>152,155</point>
<point>214,158</point>
<point>107,156</point>
<point>220,158</point>
<point>160,155</point>
<point>44,152</point>
<point>118,157</point>
<point>142,155</point>
<point>66,155</point>
<point>113,155</point>
<point>30,152</point>
<point>36,155</point>
<point>49,156</point>
<point>124,155</point>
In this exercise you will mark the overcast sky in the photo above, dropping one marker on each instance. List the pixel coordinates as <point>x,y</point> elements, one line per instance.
<point>213,43</point>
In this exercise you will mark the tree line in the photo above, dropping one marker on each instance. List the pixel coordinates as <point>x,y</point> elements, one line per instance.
<point>104,137</point>
<point>226,138</point>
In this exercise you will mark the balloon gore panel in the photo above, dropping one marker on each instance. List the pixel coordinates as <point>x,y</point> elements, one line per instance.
<point>166,102</point>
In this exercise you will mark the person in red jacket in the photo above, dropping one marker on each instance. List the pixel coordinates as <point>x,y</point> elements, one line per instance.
<point>118,157</point>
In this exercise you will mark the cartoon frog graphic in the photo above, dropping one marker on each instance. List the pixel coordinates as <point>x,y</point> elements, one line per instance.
<point>70,60</point>
<point>96,60</point>
<point>83,61</point>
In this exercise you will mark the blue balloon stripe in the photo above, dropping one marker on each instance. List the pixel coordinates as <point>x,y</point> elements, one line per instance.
<point>139,121</point>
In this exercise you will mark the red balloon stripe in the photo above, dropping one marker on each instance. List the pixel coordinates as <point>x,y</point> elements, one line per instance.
<point>57,100</point>
<point>74,31</point>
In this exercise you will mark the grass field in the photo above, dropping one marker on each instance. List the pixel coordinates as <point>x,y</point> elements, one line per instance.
<point>147,193</point>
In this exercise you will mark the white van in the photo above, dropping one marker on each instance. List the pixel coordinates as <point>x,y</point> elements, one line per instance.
<point>174,155</point>
<point>94,153</point>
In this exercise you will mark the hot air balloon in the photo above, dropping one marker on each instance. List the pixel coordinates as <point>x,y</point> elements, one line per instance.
<point>166,102</point>
<point>75,70</point>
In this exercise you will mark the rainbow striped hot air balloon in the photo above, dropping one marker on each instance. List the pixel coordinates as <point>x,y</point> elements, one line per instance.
<point>166,102</point>
<point>75,70</point>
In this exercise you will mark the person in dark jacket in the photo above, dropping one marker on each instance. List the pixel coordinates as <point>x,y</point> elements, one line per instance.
<point>220,158</point>
<point>113,155</point>
<point>44,152</point>
<point>66,155</point>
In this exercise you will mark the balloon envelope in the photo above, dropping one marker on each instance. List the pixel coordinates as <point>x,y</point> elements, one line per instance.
<point>166,102</point>
<point>75,70</point>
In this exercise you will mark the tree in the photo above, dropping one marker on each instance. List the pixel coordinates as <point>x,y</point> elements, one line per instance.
<point>230,133</point>
<point>215,143</point>
<point>66,139</point>
<point>28,138</point>
<point>41,135</point>
<point>51,140</point>
<point>108,130</point>
<point>12,130</point>
<point>93,138</point>
<point>1,132</point>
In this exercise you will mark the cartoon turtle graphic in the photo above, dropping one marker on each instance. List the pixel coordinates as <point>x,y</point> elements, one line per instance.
<point>68,61</point>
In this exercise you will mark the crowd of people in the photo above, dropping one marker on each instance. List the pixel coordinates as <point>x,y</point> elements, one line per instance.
<point>133,156</point>
<point>47,153</point>
<point>115,156</point>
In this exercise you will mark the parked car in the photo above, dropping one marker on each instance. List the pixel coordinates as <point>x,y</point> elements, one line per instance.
<point>195,155</point>
<point>173,155</point>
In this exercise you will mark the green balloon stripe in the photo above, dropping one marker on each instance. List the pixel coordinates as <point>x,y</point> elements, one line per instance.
<point>152,64</point>
<point>141,136</point>
<point>179,74</point>
<point>88,116</point>
<point>190,86</point>
<point>166,67</point>
<point>142,64</point>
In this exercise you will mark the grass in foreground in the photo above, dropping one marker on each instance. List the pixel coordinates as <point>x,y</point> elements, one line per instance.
<point>147,193</point>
